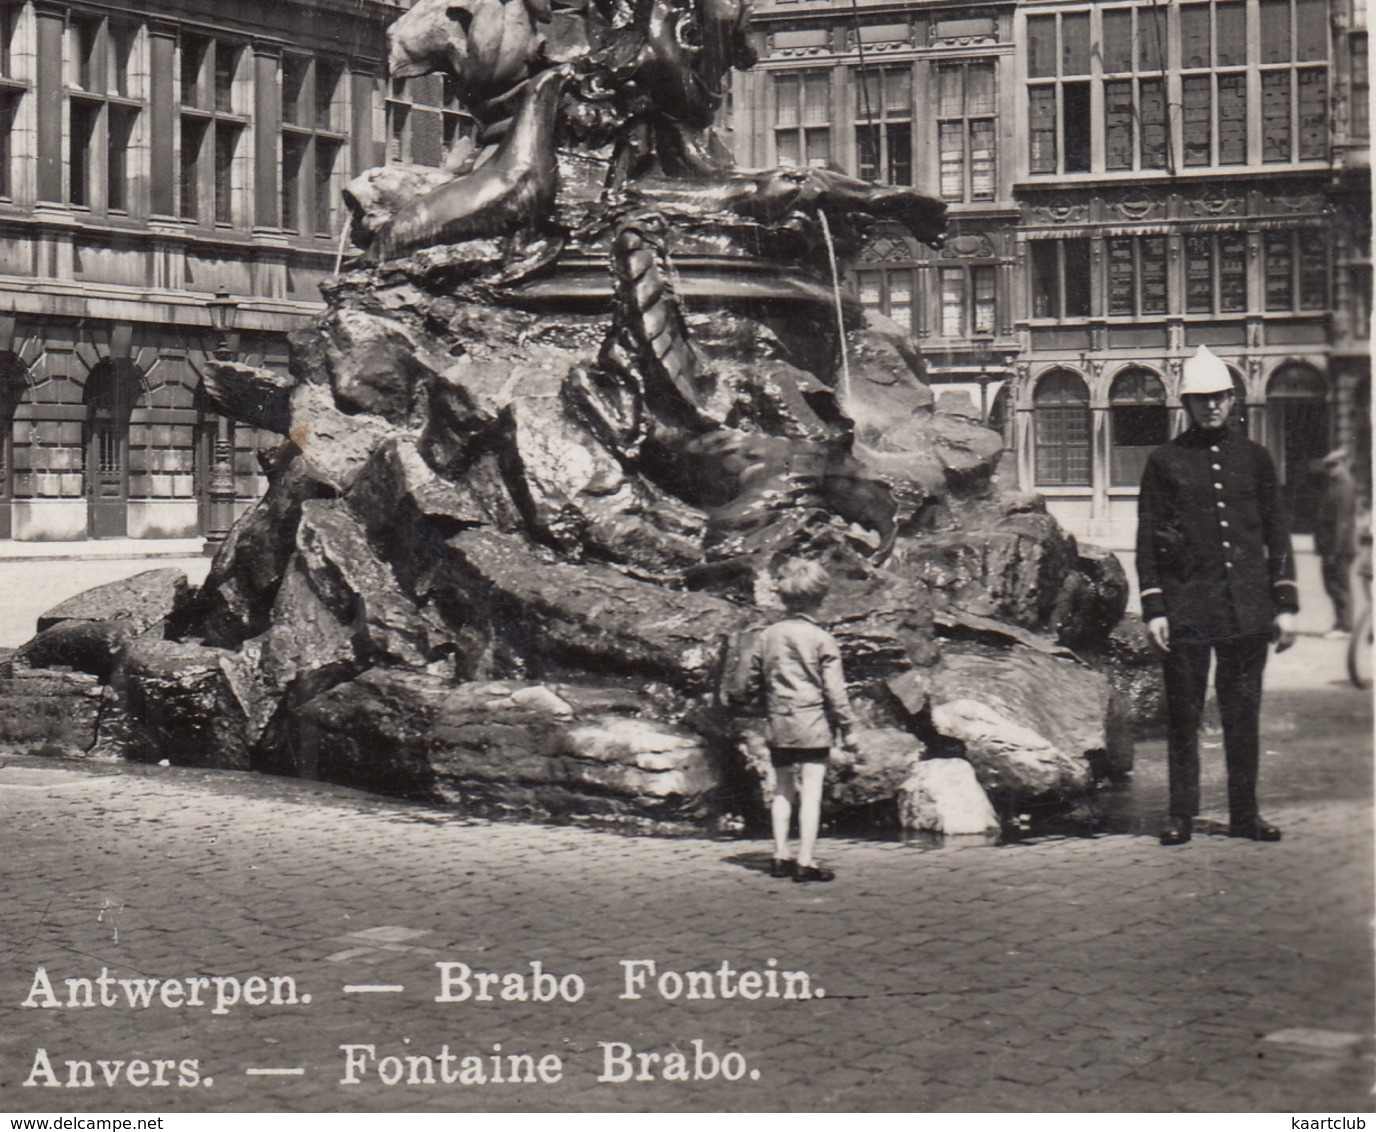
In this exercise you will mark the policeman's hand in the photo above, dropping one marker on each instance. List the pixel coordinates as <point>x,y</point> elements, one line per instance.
<point>849,743</point>
<point>1284,632</point>
<point>1159,630</point>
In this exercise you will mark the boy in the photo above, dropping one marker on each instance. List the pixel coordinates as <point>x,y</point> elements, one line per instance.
<point>795,671</point>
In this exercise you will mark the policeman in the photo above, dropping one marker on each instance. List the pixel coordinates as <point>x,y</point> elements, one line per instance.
<point>1217,577</point>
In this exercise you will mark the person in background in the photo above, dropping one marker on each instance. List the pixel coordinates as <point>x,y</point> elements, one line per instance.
<point>795,673</point>
<point>1218,578</point>
<point>1335,536</point>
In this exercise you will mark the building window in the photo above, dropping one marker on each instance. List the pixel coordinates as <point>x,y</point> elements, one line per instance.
<point>1138,422</point>
<point>415,125</point>
<point>884,135</point>
<point>1213,53</point>
<point>312,145</point>
<point>1136,275</point>
<point>967,301</point>
<point>9,107</point>
<point>802,118</point>
<point>1060,418</point>
<point>966,105</point>
<point>103,112</point>
<point>212,131</point>
<point>457,123</point>
<point>11,92</point>
<point>890,292</point>
<point>1296,271</point>
<point>1216,273</point>
<point>1294,80</point>
<point>1135,126</point>
<point>1058,92</point>
<point>1360,100</point>
<point>1060,278</point>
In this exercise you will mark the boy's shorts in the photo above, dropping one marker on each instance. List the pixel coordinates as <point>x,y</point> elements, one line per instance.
<point>793,756</point>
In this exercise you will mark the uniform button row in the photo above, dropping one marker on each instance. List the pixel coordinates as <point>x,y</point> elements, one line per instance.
<point>1218,487</point>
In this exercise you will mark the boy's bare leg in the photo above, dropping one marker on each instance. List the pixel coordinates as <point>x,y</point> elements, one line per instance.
<point>781,808</point>
<point>809,809</point>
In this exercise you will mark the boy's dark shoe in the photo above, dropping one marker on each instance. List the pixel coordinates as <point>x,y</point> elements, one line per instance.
<point>781,867</point>
<point>804,874</point>
<point>1254,830</point>
<point>1176,831</point>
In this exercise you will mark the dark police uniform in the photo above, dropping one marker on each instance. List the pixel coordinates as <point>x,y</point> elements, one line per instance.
<point>1214,558</point>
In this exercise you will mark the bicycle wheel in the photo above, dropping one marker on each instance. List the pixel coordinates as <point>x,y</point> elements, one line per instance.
<point>1359,651</point>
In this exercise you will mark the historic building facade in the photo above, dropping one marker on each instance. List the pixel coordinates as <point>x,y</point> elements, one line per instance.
<point>155,154</point>
<point>1126,181</point>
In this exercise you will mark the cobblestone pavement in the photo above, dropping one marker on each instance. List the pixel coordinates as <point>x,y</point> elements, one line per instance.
<point>1061,973</point>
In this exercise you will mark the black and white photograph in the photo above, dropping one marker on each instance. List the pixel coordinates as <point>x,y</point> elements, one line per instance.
<point>685,556</point>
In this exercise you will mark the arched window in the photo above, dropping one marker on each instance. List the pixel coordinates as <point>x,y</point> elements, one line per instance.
<point>1138,422</point>
<point>1061,430</point>
<point>1298,436</point>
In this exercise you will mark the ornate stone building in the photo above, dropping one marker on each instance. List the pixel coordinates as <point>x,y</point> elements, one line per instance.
<point>1126,181</point>
<point>154,154</point>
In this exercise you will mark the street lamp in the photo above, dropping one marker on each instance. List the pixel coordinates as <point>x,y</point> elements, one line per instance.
<point>224,313</point>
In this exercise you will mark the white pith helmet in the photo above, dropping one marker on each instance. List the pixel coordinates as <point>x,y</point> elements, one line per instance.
<point>1206,373</point>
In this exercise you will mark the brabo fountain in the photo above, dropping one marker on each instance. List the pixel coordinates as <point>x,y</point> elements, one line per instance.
<point>585,387</point>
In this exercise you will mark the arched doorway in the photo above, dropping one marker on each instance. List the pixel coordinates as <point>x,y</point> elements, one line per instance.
<point>1299,434</point>
<point>110,390</point>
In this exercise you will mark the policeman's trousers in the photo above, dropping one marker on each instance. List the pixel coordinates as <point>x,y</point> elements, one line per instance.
<point>1241,661</point>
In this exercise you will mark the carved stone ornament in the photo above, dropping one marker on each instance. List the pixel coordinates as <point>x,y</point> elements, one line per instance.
<point>1213,202</point>
<point>1133,208</point>
<point>889,249</point>
<point>1305,203</point>
<point>970,245</point>
<point>1062,211</point>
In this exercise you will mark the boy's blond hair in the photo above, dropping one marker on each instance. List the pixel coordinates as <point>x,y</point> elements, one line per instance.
<point>802,583</point>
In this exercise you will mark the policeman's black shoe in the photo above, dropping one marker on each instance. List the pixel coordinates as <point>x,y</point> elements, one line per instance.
<point>1176,831</point>
<point>803,874</point>
<point>1254,830</point>
<point>781,867</point>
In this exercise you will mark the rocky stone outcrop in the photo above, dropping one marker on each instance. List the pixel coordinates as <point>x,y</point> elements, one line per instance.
<point>258,397</point>
<point>865,786</point>
<point>532,749</point>
<point>1038,729</point>
<point>527,507</point>
<point>140,601</point>
<point>183,705</point>
<point>84,646</point>
<point>943,796</point>
<point>50,712</point>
